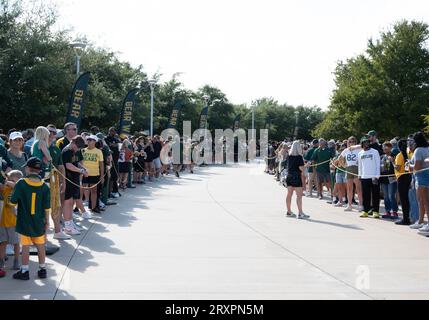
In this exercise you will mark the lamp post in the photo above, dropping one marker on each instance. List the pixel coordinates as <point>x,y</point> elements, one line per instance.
<point>206,98</point>
<point>152,83</point>
<point>296,124</point>
<point>253,122</point>
<point>78,47</point>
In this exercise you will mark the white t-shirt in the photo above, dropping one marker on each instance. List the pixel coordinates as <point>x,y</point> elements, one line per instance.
<point>351,157</point>
<point>369,164</point>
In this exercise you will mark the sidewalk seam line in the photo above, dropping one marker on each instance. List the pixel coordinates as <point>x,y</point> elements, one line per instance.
<point>280,245</point>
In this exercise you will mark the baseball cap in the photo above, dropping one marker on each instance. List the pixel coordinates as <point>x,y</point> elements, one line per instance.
<point>60,133</point>
<point>372,133</point>
<point>331,141</point>
<point>92,137</point>
<point>364,138</point>
<point>315,141</point>
<point>15,135</point>
<point>100,136</point>
<point>33,163</point>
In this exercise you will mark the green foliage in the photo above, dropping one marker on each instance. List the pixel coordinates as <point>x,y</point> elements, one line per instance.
<point>386,89</point>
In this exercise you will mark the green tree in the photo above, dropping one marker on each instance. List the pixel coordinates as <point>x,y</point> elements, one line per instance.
<point>386,89</point>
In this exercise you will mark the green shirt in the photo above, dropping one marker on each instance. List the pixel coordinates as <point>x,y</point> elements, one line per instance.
<point>308,157</point>
<point>33,200</point>
<point>55,153</point>
<point>322,156</point>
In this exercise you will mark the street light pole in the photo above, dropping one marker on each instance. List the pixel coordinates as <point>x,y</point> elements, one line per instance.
<point>78,48</point>
<point>296,124</point>
<point>253,122</point>
<point>152,87</point>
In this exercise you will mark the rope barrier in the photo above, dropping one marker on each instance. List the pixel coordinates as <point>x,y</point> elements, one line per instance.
<point>381,176</point>
<point>73,183</point>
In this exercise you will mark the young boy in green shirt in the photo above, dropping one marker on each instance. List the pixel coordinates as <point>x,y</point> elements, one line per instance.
<point>32,196</point>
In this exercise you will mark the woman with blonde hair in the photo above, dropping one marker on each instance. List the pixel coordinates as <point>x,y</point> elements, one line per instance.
<point>40,148</point>
<point>294,180</point>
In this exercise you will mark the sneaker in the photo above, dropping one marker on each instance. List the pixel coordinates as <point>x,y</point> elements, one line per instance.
<point>417,225</point>
<point>403,223</point>
<point>22,275</point>
<point>77,227</point>
<point>348,209</point>
<point>96,210</point>
<point>42,273</point>
<point>395,215</point>
<point>110,203</point>
<point>2,273</point>
<point>87,215</point>
<point>376,215</point>
<point>115,195</point>
<point>177,174</point>
<point>61,236</point>
<point>364,215</point>
<point>360,208</point>
<point>425,228</point>
<point>72,231</point>
<point>290,215</point>
<point>16,265</point>
<point>339,204</point>
<point>101,204</point>
<point>303,216</point>
<point>76,216</point>
<point>387,216</point>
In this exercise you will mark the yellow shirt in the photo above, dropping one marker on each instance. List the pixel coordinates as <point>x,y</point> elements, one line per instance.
<point>400,161</point>
<point>8,219</point>
<point>91,161</point>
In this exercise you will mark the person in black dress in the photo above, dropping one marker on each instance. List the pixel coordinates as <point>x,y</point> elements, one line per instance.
<point>294,180</point>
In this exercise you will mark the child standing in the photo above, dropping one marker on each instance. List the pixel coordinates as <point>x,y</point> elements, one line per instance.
<point>8,234</point>
<point>32,196</point>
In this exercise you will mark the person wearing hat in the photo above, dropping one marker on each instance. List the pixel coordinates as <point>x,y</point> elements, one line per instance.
<point>369,174</point>
<point>32,198</point>
<point>15,153</point>
<point>312,176</point>
<point>373,142</point>
<point>93,162</point>
<point>320,158</point>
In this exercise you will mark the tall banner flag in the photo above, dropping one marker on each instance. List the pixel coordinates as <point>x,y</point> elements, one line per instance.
<point>127,112</point>
<point>77,99</point>
<point>204,117</point>
<point>175,115</point>
<point>236,125</point>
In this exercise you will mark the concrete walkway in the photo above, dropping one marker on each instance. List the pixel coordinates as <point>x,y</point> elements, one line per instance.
<point>222,234</point>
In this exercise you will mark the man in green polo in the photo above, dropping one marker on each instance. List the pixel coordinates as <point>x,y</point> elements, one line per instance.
<point>320,159</point>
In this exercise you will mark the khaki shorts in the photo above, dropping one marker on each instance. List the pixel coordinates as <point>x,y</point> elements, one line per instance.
<point>352,172</point>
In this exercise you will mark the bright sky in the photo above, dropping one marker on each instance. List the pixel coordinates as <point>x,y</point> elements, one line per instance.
<point>285,49</point>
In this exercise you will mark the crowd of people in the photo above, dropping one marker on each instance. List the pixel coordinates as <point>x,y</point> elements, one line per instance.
<point>60,175</point>
<point>358,175</point>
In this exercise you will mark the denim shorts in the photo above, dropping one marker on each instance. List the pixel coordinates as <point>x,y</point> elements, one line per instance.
<point>422,179</point>
<point>340,177</point>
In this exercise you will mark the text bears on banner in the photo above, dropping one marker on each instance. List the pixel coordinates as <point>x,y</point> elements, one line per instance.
<point>77,100</point>
<point>127,112</point>
<point>175,115</point>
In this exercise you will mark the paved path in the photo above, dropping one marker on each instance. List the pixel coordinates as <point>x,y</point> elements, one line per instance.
<point>222,234</point>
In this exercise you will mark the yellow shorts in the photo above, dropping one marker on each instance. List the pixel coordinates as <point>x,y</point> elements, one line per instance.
<point>28,241</point>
